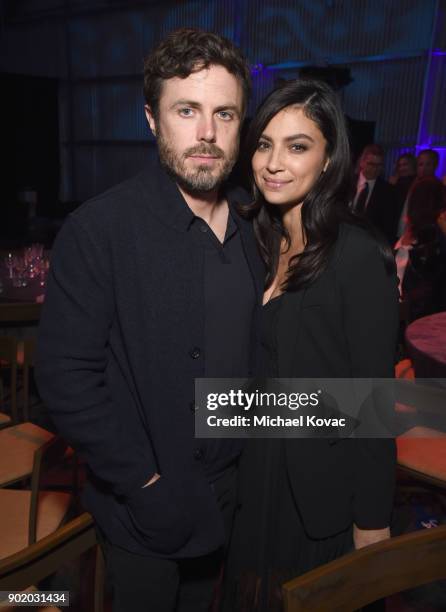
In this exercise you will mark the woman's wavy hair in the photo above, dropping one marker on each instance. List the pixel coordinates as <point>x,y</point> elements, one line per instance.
<point>326,206</point>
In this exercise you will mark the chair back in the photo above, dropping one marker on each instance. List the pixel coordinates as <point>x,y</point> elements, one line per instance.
<point>30,565</point>
<point>8,360</point>
<point>48,456</point>
<point>29,351</point>
<point>426,399</point>
<point>17,356</point>
<point>370,574</point>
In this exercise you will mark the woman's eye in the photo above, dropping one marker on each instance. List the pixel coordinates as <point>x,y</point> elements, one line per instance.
<point>263,146</point>
<point>298,148</point>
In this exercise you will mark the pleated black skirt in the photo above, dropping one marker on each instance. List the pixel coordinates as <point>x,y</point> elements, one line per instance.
<point>269,545</point>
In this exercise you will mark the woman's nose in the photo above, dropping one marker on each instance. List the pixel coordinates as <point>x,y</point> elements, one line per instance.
<point>274,162</point>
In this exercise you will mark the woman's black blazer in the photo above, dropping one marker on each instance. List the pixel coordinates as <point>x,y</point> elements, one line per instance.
<point>344,325</point>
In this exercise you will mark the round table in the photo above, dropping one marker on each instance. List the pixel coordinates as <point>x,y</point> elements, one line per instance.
<point>426,344</point>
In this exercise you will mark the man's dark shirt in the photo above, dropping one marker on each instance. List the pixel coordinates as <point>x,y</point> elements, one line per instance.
<point>229,297</point>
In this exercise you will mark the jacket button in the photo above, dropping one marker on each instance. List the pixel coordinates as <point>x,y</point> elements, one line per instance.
<point>195,352</point>
<point>198,454</point>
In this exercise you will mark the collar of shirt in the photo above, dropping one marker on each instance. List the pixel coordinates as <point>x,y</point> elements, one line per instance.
<point>361,182</point>
<point>231,227</point>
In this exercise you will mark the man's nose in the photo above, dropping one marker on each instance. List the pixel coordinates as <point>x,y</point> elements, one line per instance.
<point>206,129</point>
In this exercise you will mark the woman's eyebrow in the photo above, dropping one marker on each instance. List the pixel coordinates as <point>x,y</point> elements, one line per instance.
<point>290,138</point>
<point>299,136</point>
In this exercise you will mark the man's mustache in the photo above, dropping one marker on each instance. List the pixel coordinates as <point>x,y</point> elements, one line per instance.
<point>211,150</point>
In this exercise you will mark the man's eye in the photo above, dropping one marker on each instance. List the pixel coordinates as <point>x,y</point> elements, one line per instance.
<point>186,112</point>
<point>226,115</point>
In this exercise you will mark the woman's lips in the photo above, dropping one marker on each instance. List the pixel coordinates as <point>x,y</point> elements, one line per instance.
<point>274,184</point>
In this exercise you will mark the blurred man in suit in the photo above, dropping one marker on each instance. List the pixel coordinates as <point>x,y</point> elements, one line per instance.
<point>375,198</point>
<point>426,166</point>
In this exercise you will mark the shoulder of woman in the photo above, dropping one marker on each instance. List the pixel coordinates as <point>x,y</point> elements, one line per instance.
<point>355,242</point>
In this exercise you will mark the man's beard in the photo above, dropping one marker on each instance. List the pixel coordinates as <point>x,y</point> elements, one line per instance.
<point>203,178</point>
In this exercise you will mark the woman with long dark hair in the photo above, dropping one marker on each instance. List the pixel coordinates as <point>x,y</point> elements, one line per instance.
<point>330,311</point>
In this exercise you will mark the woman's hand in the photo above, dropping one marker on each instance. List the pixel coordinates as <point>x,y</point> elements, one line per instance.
<point>365,537</point>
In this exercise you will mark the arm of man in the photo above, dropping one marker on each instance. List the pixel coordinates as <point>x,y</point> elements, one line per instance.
<point>72,358</point>
<point>370,304</point>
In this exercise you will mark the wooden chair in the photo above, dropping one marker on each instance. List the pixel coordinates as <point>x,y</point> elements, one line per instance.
<point>18,445</point>
<point>29,515</point>
<point>370,574</point>
<point>16,357</point>
<point>26,351</point>
<point>8,361</point>
<point>18,440</point>
<point>12,315</point>
<point>421,451</point>
<point>5,419</point>
<point>404,369</point>
<point>41,559</point>
<point>421,455</point>
<point>33,542</point>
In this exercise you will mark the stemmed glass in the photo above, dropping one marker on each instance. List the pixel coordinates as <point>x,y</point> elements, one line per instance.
<point>43,270</point>
<point>8,264</point>
<point>19,269</point>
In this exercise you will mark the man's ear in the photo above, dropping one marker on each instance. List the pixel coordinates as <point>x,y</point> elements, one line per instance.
<point>150,119</point>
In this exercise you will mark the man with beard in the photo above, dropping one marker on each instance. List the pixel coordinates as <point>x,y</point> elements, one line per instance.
<point>153,284</point>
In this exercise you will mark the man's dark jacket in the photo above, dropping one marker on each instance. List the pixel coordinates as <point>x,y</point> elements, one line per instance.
<point>384,209</point>
<point>120,345</point>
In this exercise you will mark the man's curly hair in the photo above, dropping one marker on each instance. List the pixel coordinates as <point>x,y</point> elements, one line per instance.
<point>188,50</point>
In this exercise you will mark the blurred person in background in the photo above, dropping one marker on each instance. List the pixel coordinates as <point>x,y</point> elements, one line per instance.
<point>375,197</point>
<point>427,163</point>
<point>421,251</point>
<point>402,180</point>
<point>404,176</point>
<point>405,167</point>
